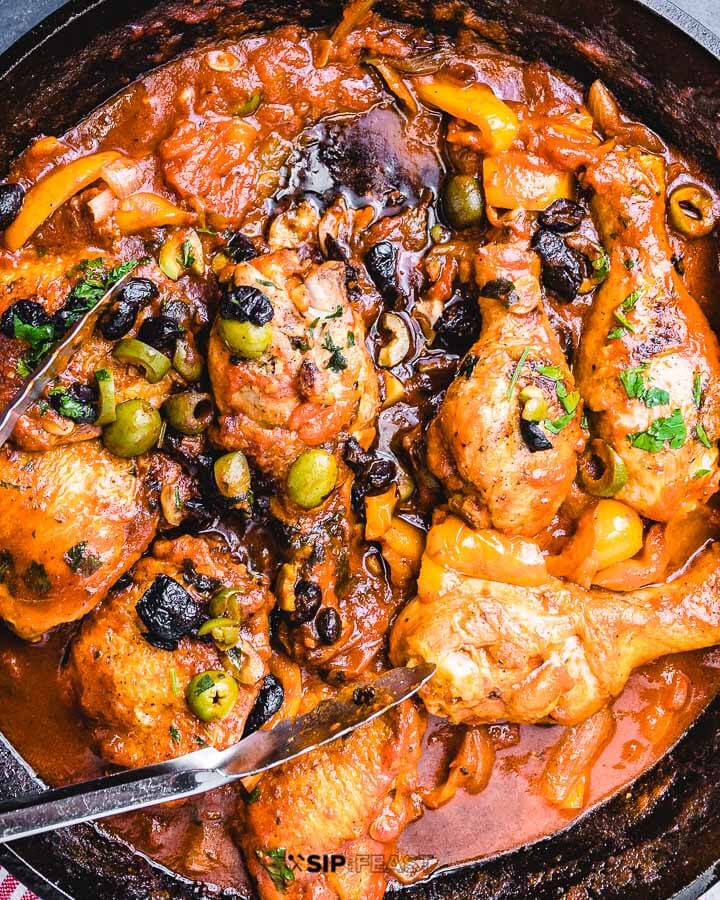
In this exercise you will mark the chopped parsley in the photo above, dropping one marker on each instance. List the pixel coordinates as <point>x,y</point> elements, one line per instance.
<point>556,426</point>
<point>254,794</point>
<point>701,435</point>
<point>626,306</point>
<point>516,372</point>
<point>552,372</point>
<point>633,380</point>
<point>174,734</point>
<point>601,267</point>
<point>337,361</point>
<point>569,400</point>
<point>701,473</point>
<point>273,861</point>
<point>336,313</point>
<point>664,430</point>
<point>80,561</point>
<point>629,263</point>
<point>40,339</point>
<point>187,257</point>
<point>697,390</point>
<point>71,407</point>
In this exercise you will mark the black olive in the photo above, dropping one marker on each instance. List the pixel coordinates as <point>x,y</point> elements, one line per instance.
<point>246,304</point>
<point>501,289</point>
<point>141,291</point>
<point>355,456</point>
<point>564,269</point>
<point>240,248</point>
<point>11,201</point>
<point>117,321</point>
<point>308,598</point>
<point>381,263</point>
<point>467,367</point>
<point>534,436</point>
<point>78,402</point>
<point>458,327</point>
<point>373,478</point>
<point>67,316</point>
<point>562,216</point>
<point>205,584</point>
<point>363,695</point>
<point>124,581</point>
<point>269,700</point>
<point>29,312</point>
<point>329,625</point>
<point>168,612</point>
<point>160,332</point>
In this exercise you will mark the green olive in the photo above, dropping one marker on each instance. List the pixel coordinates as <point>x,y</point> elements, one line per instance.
<point>463,201</point>
<point>692,210</point>
<point>225,632</point>
<point>244,338</point>
<point>232,477</point>
<point>535,407</point>
<point>212,695</point>
<point>106,392</point>
<point>311,478</point>
<point>249,106</point>
<point>614,474</point>
<point>186,360</point>
<point>189,412</point>
<point>135,430</point>
<point>154,363</point>
<point>225,604</point>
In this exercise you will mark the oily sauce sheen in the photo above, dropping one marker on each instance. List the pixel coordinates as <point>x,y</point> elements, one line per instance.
<point>323,132</point>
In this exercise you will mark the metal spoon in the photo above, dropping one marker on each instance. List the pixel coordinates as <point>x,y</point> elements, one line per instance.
<point>207,769</point>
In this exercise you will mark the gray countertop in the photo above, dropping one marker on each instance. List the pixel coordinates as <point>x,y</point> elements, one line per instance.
<point>17,16</point>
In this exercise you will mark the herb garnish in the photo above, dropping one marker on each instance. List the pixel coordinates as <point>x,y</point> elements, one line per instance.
<point>601,267</point>
<point>666,429</point>
<point>701,435</point>
<point>633,380</point>
<point>174,734</point>
<point>625,326</point>
<point>697,390</point>
<point>337,361</point>
<point>80,561</point>
<point>273,861</point>
<point>187,257</point>
<point>516,372</point>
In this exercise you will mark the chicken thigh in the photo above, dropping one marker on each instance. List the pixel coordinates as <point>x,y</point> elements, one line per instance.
<point>502,463</point>
<point>131,686</point>
<point>351,798</point>
<point>75,518</point>
<point>649,365</point>
<point>541,649</point>
<point>315,380</point>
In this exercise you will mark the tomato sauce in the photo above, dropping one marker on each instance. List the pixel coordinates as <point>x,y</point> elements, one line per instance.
<point>305,108</point>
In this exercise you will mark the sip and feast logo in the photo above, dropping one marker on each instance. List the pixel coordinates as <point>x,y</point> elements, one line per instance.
<point>316,862</point>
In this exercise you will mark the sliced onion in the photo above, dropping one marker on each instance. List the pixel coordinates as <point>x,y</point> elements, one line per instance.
<point>102,206</point>
<point>123,177</point>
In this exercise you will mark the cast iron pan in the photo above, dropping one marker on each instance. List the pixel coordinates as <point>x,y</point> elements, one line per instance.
<point>658,837</point>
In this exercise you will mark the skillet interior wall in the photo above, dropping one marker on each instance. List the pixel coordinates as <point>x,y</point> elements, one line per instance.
<point>57,75</point>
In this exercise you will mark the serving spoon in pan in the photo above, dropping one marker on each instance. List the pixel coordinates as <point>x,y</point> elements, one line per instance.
<point>207,769</point>
<point>54,363</point>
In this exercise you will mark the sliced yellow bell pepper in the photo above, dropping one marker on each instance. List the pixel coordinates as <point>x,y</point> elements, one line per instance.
<point>474,103</point>
<point>402,548</point>
<point>514,180</point>
<point>141,211</point>
<point>52,191</point>
<point>484,553</point>
<point>379,511</point>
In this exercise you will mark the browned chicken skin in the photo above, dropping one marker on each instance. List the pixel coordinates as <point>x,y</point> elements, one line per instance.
<point>475,445</point>
<point>549,650</point>
<point>666,340</point>
<point>352,797</point>
<point>314,382</point>
<point>75,518</point>
<point>132,692</point>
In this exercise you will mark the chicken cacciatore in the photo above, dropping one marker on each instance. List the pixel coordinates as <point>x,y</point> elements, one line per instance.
<point>413,360</point>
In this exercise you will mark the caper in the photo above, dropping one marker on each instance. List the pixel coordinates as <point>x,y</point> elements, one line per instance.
<point>463,201</point>
<point>311,478</point>
<point>225,604</point>
<point>212,695</point>
<point>232,476</point>
<point>245,338</point>
<point>135,430</point>
<point>225,632</point>
<point>189,412</point>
